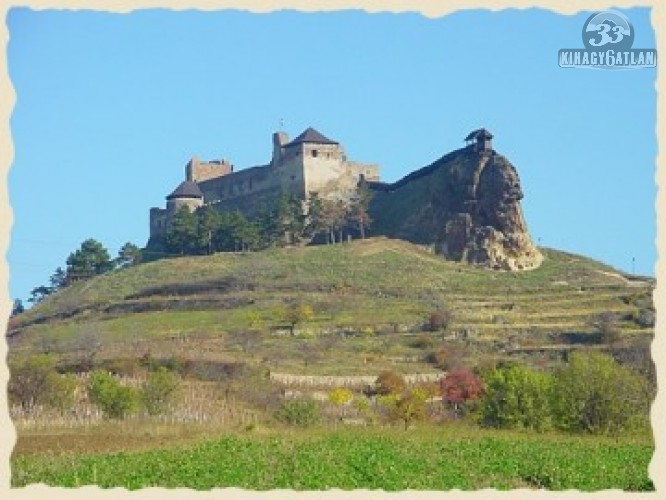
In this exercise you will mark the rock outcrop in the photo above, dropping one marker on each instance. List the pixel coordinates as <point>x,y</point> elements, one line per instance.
<point>467,203</point>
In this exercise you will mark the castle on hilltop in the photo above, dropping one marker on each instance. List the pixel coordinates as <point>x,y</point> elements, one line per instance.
<point>309,163</point>
<point>464,205</point>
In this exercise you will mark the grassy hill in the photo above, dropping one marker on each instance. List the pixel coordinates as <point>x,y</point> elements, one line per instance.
<point>370,300</point>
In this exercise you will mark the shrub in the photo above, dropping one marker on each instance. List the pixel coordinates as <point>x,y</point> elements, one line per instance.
<point>159,390</point>
<point>122,366</point>
<point>61,391</point>
<point>439,320</point>
<point>34,381</point>
<point>645,318</point>
<point>593,393</point>
<point>340,396</point>
<point>607,328</point>
<point>422,342</point>
<point>297,313</point>
<point>301,412</point>
<point>389,382</point>
<point>448,356</point>
<point>516,396</point>
<point>367,331</point>
<point>114,399</point>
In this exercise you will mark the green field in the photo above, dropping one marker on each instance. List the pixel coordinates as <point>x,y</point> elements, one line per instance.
<point>390,459</point>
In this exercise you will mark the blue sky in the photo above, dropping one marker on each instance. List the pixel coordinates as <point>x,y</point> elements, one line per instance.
<point>111,106</point>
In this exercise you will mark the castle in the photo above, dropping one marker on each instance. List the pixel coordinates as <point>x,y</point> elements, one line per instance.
<point>466,204</point>
<point>309,163</point>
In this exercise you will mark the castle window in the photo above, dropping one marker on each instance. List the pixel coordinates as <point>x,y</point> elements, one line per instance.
<point>314,153</point>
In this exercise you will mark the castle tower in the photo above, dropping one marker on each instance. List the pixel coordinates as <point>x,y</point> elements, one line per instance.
<point>199,171</point>
<point>280,140</point>
<point>187,194</point>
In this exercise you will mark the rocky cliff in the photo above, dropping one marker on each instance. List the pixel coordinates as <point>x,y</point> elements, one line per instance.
<point>467,203</point>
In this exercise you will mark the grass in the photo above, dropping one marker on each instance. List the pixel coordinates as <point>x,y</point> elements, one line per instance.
<point>423,458</point>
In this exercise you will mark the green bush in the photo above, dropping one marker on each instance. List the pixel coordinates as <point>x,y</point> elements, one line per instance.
<point>516,396</point>
<point>299,412</point>
<point>159,390</point>
<point>594,393</point>
<point>114,399</point>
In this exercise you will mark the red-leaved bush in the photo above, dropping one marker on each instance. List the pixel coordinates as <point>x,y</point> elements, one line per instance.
<point>459,386</point>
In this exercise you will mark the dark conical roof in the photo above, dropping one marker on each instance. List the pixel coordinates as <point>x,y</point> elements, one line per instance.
<point>187,189</point>
<point>312,136</point>
<point>480,133</point>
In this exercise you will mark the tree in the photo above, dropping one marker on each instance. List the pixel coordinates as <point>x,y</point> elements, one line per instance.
<point>290,218</point>
<point>39,293</point>
<point>90,259</point>
<point>516,396</point>
<point>389,382</point>
<point>241,234</point>
<point>297,313</point>
<point>115,400</point>
<point>594,393</point>
<point>181,236</point>
<point>358,208</point>
<point>409,407</point>
<point>208,222</point>
<point>459,386</point>
<point>28,382</point>
<point>17,308</point>
<point>128,255</point>
<point>159,390</point>
<point>58,279</point>
<point>334,217</point>
<point>314,223</point>
<point>267,225</point>
<point>35,381</point>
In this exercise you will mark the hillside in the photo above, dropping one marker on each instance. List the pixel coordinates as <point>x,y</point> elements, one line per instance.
<point>370,300</point>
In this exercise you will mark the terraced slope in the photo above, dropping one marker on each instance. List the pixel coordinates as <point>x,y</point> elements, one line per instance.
<point>374,294</point>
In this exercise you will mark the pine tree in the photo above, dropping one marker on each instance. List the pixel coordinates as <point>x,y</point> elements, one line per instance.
<point>91,259</point>
<point>208,224</point>
<point>128,255</point>
<point>181,237</point>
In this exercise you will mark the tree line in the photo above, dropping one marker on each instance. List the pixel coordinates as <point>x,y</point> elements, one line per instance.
<point>287,221</point>
<point>89,260</point>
